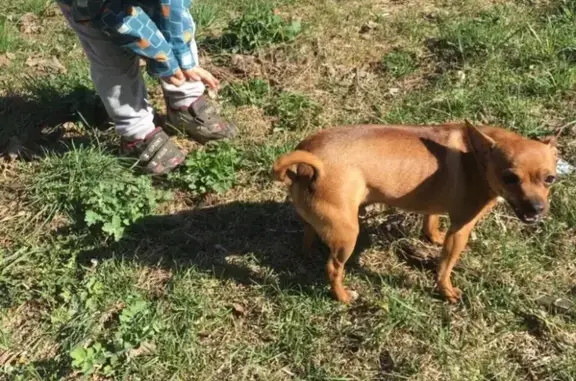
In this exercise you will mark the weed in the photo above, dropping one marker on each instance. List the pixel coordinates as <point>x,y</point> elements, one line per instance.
<point>116,205</point>
<point>36,6</point>
<point>256,92</point>
<point>135,326</point>
<point>205,15</point>
<point>209,170</point>
<point>90,186</point>
<point>294,111</point>
<point>90,359</point>
<point>257,28</point>
<point>399,63</point>
<point>259,159</point>
<point>31,273</point>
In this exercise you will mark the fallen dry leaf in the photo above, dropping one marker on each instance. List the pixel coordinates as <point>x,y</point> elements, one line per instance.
<point>369,26</point>
<point>238,309</point>
<point>51,65</point>
<point>558,303</point>
<point>145,348</point>
<point>29,24</point>
<point>4,60</point>
<point>245,64</point>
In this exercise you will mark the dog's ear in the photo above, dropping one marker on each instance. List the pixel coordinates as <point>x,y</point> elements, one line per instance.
<point>549,140</point>
<point>481,143</point>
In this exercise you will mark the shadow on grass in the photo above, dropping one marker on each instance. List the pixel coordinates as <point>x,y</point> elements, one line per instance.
<point>33,121</point>
<point>248,242</point>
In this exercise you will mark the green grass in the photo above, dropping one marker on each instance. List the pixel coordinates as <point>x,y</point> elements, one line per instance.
<point>7,38</point>
<point>89,186</point>
<point>399,63</point>
<point>103,276</point>
<point>498,66</point>
<point>38,7</point>
<point>206,15</point>
<point>256,92</point>
<point>209,170</point>
<point>257,28</point>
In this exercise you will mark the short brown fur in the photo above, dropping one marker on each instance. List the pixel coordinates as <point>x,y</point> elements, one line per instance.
<point>454,169</point>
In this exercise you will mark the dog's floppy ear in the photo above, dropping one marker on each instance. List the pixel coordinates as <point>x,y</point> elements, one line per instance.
<point>480,143</point>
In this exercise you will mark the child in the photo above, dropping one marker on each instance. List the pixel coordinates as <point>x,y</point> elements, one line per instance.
<point>114,33</point>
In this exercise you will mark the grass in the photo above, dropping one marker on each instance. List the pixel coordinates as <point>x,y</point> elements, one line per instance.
<point>103,276</point>
<point>7,38</point>
<point>399,63</point>
<point>257,28</point>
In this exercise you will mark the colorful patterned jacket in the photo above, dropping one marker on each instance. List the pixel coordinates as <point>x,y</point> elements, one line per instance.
<point>158,30</point>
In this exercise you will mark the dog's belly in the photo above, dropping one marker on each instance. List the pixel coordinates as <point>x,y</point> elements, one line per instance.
<point>433,191</point>
<point>416,203</point>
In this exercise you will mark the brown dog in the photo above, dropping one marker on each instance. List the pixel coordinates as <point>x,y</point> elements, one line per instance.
<point>454,169</point>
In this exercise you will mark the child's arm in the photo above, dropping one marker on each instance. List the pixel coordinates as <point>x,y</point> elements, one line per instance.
<point>137,32</point>
<point>178,27</point>
<point>133,29</point>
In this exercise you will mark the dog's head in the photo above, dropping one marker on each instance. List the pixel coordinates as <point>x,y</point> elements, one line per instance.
<point>519,170</point>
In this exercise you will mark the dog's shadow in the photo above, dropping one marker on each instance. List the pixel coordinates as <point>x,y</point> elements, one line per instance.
<point>244,241</point>
<point>249,242</point>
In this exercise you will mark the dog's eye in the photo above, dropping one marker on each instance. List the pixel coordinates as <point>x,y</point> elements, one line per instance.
<point>510,178</point>
<point>549,179</point>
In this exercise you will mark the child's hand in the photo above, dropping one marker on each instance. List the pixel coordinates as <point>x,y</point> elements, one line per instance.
<point>199,74</point>
<point>177,79</point>
<point>194,74</point>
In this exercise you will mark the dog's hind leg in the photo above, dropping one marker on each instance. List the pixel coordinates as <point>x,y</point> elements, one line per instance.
<point>431,228</point>
<point>308,239</point>
<point>341,240</point>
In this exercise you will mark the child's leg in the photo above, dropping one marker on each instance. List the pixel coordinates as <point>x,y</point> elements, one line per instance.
<point>187,93</point>
<point>189,109</point>
<point>118,81</point>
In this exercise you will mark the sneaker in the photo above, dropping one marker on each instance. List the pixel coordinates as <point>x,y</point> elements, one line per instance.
<point>201,121</point>
<point>157,151</point>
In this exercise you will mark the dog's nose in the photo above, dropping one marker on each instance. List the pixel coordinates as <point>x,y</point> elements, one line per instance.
<point>537,206</point>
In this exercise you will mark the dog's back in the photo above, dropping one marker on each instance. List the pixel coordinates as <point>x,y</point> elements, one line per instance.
<point>414,168</point>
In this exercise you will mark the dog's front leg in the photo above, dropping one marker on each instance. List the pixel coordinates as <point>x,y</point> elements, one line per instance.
<point>454,243</point>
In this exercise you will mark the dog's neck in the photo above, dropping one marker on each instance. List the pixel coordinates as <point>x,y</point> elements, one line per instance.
<point>479,178</point>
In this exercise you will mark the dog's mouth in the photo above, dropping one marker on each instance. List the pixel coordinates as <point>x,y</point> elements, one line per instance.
<point>528,217</point>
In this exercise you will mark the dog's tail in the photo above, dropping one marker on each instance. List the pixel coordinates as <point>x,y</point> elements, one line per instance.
<point>283,163</point>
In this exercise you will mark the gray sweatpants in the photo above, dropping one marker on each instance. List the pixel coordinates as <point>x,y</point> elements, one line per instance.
<point>116,74</point>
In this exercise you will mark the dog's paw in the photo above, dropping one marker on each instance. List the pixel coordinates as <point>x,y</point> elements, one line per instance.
<point>437,238</point>
<point>452,294</point>
<point>349,296</point>
<point>353,296</point>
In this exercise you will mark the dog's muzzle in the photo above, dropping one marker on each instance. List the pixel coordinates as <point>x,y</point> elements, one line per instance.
<point>529,211</point>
